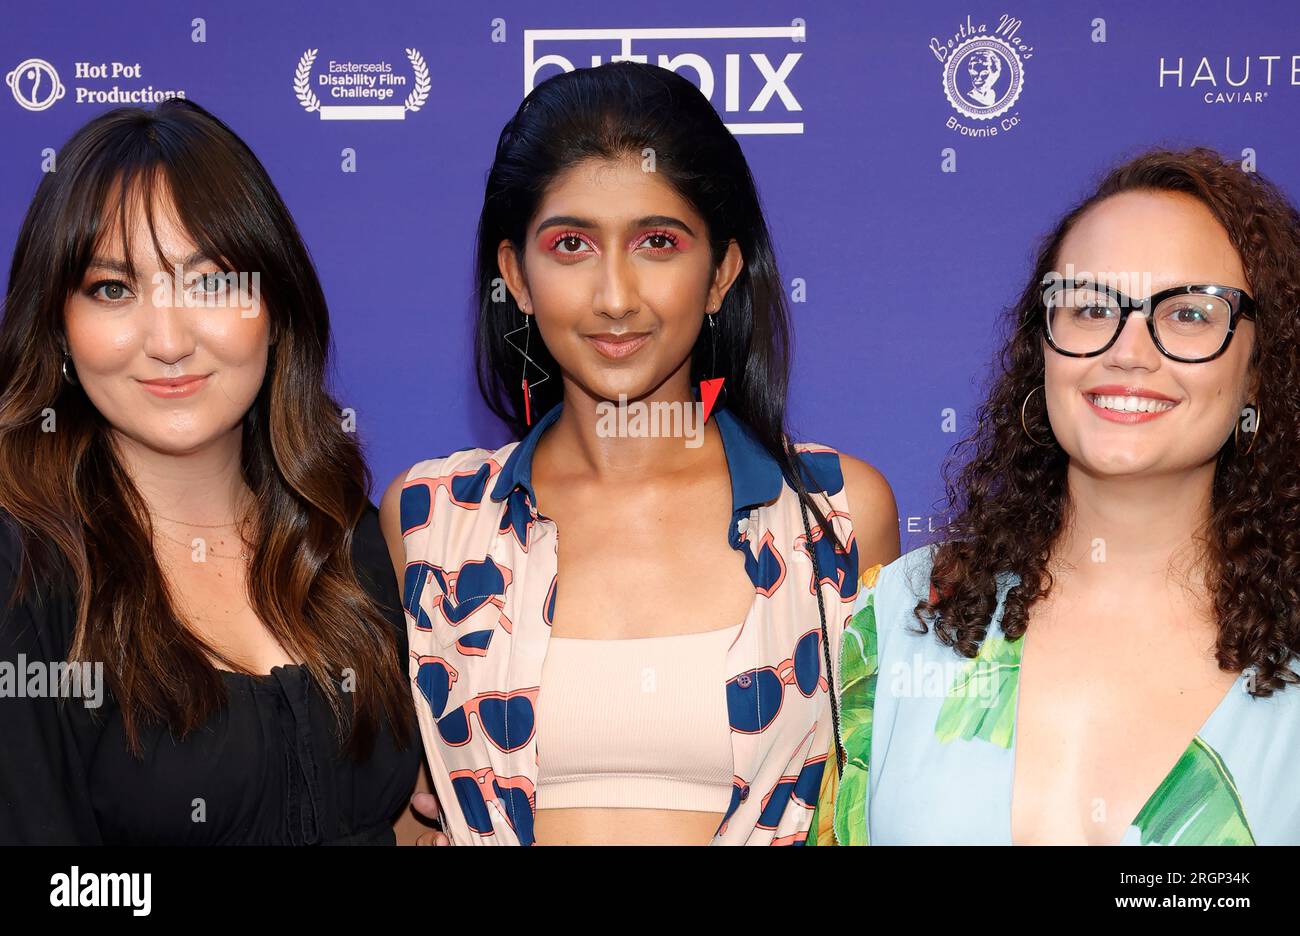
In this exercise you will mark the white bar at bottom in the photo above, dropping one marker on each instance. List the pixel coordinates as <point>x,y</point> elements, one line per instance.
<point>363,112</point>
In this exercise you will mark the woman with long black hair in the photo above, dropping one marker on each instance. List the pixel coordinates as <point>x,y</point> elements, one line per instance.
<point>662,677</point>
<point>194,592</point>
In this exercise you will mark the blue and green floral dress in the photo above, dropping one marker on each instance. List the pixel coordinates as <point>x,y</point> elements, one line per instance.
<point>929,739</point>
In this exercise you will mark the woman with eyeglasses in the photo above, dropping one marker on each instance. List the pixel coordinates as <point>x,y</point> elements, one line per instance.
<point>1103,649</point>
<point>662,676</point>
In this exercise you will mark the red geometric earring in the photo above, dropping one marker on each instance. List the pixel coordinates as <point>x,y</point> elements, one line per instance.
<point>526,328</point>
<point>711,388</point>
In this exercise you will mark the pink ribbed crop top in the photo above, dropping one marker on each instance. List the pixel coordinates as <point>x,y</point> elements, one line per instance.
<point>638,723</point>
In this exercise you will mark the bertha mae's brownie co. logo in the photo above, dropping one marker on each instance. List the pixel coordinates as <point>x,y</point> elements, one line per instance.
<point>983,75</point>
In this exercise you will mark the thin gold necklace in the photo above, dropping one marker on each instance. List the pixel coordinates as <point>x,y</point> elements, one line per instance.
<point>243,553</point>
<point>204,526</point>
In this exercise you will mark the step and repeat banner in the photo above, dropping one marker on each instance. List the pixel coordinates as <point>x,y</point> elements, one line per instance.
<point>909,157</point>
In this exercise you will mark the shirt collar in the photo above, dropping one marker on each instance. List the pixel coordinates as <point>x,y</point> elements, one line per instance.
<point>755,475</point>
<point>518,469</point>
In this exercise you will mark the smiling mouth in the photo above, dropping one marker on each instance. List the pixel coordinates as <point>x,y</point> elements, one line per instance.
<point>1128,408</point>
<point>1130,404</point>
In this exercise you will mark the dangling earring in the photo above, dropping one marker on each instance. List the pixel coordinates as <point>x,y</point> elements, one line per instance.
<point>69,375</point>
<point>527,388</point>
<point>1250,409</point>
<point>713,347</point>
<point>1023,406</point>
<point>711,388</point>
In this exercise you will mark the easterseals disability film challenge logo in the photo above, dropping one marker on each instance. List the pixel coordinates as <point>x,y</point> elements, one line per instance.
<point>983,75</point>
<point>361,90</point>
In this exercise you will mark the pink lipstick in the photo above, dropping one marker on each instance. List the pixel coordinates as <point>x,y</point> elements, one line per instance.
<point>618,346</point>
<point>175,387</point>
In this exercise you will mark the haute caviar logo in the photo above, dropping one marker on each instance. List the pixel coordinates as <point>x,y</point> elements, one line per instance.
<point>983,74</point>
<point>361,90</point>
<point>1230,79</point>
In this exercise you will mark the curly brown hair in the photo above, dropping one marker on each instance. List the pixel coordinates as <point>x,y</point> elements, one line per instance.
<point>1008,497</point>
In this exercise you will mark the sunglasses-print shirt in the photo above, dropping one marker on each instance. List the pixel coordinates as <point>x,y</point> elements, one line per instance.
<point>479,593</point>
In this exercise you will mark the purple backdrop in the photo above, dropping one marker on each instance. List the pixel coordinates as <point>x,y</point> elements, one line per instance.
<point>904,265</point>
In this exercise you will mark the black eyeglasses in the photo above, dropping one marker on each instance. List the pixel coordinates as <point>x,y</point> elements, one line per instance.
<point>1191,324</point>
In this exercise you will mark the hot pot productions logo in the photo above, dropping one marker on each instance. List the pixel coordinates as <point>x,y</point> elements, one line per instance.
<point>36,84</point>
<point>983,75</point>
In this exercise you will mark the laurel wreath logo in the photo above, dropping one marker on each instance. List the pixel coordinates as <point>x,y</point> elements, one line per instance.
<point>415,100</point>
<point>302,81</point>
<point>307,98</point>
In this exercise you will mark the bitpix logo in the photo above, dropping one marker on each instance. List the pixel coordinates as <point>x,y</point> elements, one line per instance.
<point>983,74</point>
<point>745,71</point>
<point>35,84</point>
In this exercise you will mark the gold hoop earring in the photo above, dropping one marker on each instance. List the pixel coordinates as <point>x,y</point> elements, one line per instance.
<point>1023,407</point>
<point>1254,434</point>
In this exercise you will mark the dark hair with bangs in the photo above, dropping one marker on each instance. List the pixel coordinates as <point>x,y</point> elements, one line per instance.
<point>78,513</point>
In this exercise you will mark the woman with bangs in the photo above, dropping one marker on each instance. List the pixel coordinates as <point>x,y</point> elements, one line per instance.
<point>192,579</point>
<point>1114,606</point>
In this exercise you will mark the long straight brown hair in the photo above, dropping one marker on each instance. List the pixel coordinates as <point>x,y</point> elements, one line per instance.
<point>81,519</point>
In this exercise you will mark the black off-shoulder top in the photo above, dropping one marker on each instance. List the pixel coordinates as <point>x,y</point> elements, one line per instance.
<point>266,769</point>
